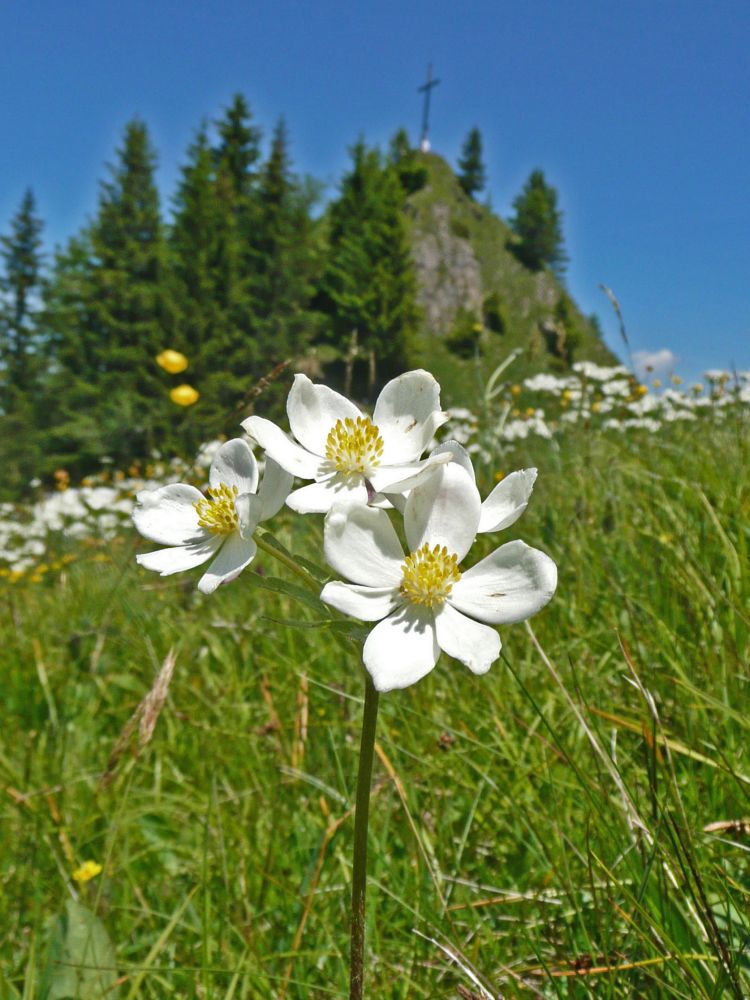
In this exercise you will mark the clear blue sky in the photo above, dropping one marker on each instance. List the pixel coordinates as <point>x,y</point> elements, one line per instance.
<point>637,111</point>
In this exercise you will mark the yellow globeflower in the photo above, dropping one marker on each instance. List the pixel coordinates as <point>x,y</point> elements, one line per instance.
<point>172,361</point>
<point>87,871</point>
<point>184,395</point>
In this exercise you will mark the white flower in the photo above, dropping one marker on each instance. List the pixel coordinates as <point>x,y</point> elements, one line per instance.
<point>503,506</point>
<point>425,602</point>
<point>349,455</point>
<point>218,526</point>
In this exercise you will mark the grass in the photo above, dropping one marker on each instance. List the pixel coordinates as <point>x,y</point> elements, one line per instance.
<point>537,832</point>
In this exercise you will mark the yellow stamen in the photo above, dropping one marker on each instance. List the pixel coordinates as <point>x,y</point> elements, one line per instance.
<point>217,512</point>
<point>354,445</point>
<point>429,575</point>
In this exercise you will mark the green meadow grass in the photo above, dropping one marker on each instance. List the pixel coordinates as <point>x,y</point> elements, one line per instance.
<point>538,830</point>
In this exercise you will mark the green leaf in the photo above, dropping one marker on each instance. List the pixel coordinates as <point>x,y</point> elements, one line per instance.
<point>320,573</point>
<point>7,990</point>
<point>80,961</point>
<point>279,586</point>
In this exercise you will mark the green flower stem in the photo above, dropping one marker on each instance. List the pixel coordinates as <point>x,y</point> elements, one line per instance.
<point>361,815</point>
<point>287,561</point>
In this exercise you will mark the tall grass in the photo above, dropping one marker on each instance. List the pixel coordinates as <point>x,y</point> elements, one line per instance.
<point>537,832</point>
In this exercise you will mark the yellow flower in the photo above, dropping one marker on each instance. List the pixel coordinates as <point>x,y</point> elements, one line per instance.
<point>499,476</point>
<point>172,361</point>
<point>641,390</point>
<point>656,383</point>
<point>87,871</point>
<point>184,395</point>
<point>676,380</point>
<point>596,406</point>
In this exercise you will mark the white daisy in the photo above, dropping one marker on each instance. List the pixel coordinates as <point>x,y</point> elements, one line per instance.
<point>349,455</point>
<point>425,601</point>
<point>218,526</point>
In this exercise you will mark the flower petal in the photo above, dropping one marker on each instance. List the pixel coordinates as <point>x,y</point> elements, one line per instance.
<point>401,649</point>
<point>475,645</point>
<point>457,454</point>
<point>234,465</point>
<point>369,604</point>
<point>444,510</point>
<point>234,555</point>
<point>360,543</point>
<point>407,415</point>
<point>396,479</point>
<point>511,584</point>
<point>168,515</point>
<point>181,557</point>
<point>318,498</point>
<point>507,501</point>
<point>249,507</point>
<point>313,411</point>
<point>274,489</point>
<point>282,449</point>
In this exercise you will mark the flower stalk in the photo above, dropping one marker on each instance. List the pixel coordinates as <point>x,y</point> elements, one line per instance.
<point>361,817</point>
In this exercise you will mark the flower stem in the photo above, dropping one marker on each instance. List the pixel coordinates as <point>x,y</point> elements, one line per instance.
<point>286,560</point>
<point>361,815</point>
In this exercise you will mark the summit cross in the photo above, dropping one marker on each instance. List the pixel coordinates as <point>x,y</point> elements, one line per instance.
<point>426,88</point>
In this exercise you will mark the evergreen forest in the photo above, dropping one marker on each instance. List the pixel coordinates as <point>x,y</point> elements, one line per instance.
<point>244,273</point>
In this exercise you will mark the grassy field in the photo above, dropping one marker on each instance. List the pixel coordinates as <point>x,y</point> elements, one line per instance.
<point>536,832</point>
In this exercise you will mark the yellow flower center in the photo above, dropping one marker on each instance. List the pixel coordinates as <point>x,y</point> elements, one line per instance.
<point>429,575</point>
<point>217,512</point>
<point>354,445</point>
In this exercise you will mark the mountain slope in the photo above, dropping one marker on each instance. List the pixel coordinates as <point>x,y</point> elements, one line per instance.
<point>478,301</point>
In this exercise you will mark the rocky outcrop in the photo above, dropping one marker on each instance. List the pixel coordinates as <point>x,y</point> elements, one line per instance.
<point>448,275</point>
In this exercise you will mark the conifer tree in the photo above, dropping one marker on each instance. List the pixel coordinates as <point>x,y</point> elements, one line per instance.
<point>20,361</point>
<point>235,184</point>
<point>22,259</point>
<point>368,285</point>
<point>538,225</point>
<point>285,254</point>
<point>109,315</point>
<point>197,238</point>
<point>472,176</point>
<point>405,160</point>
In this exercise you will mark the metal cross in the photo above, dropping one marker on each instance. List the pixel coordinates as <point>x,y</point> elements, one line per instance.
<point>426,88</point>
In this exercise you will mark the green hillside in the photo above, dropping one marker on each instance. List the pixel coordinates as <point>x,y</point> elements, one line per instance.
<point>478,301</point>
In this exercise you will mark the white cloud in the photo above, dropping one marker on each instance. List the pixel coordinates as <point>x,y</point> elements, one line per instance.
<point>654,362</point>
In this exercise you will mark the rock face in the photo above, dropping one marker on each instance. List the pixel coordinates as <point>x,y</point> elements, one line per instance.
<point>448,274</point>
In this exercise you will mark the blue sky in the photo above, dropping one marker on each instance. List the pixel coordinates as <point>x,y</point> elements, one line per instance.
<point>637,112</point>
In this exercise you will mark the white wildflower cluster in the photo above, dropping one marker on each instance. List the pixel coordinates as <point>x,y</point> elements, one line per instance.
<point>34,537</point>
<point>363,470</point>
<point>606,398</point>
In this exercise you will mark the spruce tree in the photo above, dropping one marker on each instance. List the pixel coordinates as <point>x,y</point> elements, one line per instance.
<point>412,173</point>
<point>472,176</point>
<point>21,255</point>
<point>197,241</point>
<point>21,365</point>
<point>109,315</point>
<point>236,158</point>
<point>285,255</point>
<point>368,285</point>
<point>538,225</point>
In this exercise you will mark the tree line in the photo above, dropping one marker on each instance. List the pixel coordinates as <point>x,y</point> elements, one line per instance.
<point>244,274</point>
